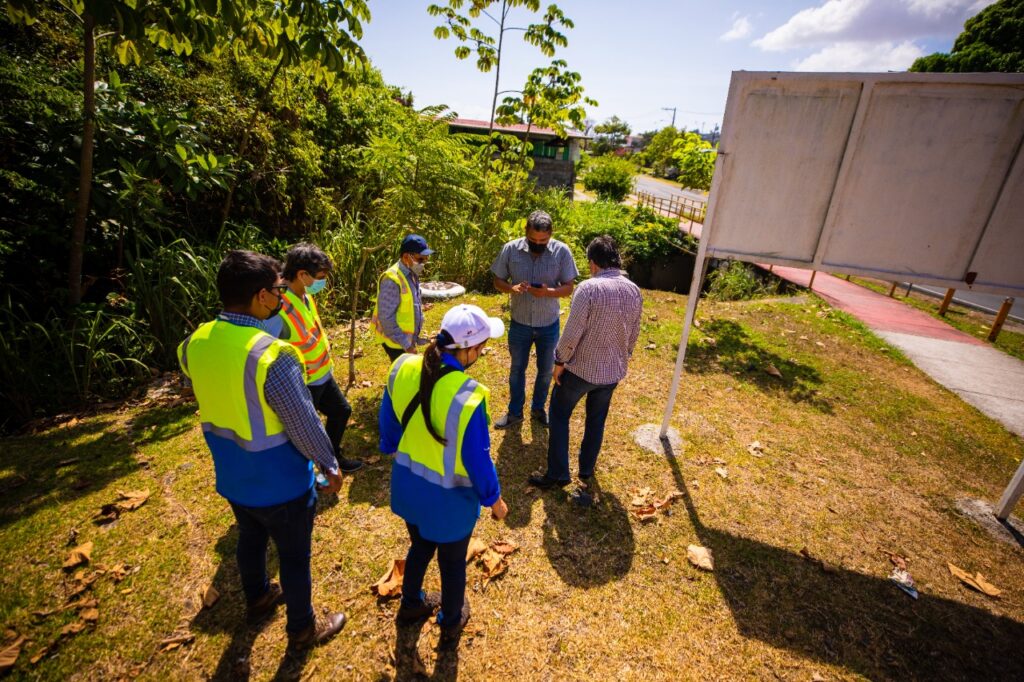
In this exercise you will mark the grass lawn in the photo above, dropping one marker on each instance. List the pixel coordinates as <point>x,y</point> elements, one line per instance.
<point>862,455</point>
<point>977,324</point>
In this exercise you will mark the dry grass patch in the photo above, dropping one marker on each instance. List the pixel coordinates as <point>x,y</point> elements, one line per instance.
<point>862,455</point>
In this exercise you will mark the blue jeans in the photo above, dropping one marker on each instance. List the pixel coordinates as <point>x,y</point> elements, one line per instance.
<point>451,559</point>
<point>520,338</point>
<point>563,402</point>
<point>290,525</point>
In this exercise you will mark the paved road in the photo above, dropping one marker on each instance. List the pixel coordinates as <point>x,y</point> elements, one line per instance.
<point>988,303</point>
<point>658,188</point>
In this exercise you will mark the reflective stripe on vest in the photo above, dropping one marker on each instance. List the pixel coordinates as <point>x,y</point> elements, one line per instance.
<point>307,335</point>
<point>405,316</point>
<point>209,356</point>
<point>417,449</point>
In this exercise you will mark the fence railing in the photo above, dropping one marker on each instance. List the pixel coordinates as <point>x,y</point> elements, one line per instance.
<point>675,207</point>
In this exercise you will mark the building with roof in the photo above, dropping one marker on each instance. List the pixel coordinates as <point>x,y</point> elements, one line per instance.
<point>554,155</point>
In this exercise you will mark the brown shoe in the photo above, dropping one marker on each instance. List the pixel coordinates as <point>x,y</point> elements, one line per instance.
<point>323,628</point>
<point>256,611</point>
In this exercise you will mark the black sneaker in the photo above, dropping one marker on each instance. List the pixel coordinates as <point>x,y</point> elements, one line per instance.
<point>540,416</point>
<point>431,602</point>
<point>349,466</point>
<point>451,634</point>
<point>508,420</point>
<point>542,481</point>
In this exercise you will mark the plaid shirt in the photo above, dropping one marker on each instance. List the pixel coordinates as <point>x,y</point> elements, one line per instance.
<point>603,325</point>
<point>286,394</point>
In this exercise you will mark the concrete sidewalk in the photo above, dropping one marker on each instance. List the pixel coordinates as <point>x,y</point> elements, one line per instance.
<point>988,379</point>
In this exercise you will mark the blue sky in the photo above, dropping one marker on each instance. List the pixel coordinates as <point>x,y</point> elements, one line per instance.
<point>637,57</point>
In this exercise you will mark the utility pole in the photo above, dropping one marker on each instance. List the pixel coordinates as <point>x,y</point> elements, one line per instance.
<point>673,110</point>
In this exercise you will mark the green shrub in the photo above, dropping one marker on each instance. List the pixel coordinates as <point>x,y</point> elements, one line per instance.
<point>738,281</point>
<point>610,177</point>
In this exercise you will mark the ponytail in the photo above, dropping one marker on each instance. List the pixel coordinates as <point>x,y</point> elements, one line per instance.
<point>429,377</point>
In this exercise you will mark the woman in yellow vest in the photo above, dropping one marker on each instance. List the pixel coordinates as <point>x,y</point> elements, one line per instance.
<point>434,419</point>
<point>305,269</point>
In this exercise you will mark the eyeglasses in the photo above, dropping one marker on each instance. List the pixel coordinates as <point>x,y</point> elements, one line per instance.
<point>279,288</point>
<point>421,259</point>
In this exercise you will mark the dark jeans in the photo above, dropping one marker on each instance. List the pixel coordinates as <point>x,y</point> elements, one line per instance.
<point>290,525</point>
<point>451,559</point>
<point>563,402</point>
<point>330,402</point>
<point>393,353</point>
<point>520,338</point>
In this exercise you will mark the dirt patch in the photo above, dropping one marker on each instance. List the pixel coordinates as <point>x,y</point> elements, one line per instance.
<point>648,436</point>
<point>1010,531</point>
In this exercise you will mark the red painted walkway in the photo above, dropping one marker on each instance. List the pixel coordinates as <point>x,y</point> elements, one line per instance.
<point>877,311</point>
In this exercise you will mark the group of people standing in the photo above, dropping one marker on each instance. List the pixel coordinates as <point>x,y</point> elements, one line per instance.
<point>262,374</point>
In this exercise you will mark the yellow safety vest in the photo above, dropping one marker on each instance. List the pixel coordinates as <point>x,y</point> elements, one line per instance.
<point>454,399</point>
<point>405,316</point>
<point>307,335</point>
<point>220,358</point>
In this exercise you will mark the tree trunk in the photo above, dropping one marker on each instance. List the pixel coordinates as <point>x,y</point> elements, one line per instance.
<point>85,164</point>
<point>243,146</point>
<point>354,312</point>
<point>497,69</point>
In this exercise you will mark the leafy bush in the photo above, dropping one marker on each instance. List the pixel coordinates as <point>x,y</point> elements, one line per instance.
<point>737,281</point>
<point>610,177</point>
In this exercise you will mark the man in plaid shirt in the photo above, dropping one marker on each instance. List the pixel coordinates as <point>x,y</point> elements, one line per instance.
<point>591,359</point>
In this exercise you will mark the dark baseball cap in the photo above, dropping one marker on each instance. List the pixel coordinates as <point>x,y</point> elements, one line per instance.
<point>414,243</point>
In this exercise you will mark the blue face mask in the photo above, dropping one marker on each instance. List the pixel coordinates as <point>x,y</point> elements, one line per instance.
<point>317,286</point>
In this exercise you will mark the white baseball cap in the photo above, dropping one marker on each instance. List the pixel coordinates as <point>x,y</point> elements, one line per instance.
<point>468,325</point>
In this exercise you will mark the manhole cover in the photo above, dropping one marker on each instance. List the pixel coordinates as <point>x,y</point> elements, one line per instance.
<point>441,290</point>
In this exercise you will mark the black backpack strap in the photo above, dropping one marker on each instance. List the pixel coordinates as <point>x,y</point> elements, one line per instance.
<point>414,404</point>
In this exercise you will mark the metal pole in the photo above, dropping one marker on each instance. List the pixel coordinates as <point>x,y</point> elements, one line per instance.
<point>946,300</point>
<point>1011,495</point>
<point>699,269</point>
<point>997,326</point>
<point>910,286</point>
<point>892,290</point>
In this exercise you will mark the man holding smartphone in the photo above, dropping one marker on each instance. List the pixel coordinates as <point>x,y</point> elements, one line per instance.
<point>536,270</point>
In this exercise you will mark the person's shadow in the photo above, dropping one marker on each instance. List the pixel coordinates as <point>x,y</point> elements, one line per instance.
<point>229,615</point>
<point>515,462</point>
<point>862,623</point>
<point>409,665</point>
<point>588,546</point>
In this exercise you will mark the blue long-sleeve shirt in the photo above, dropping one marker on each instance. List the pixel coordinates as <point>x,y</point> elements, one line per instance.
<point>440,514</point>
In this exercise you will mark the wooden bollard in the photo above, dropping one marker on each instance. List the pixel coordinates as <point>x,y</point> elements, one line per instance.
<point>997,326</point>
<point>892,290</point>
<point>946,300</point>
<point>810,285</point>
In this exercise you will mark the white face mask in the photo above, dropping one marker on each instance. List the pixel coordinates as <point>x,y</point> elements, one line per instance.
<point>417,268</point>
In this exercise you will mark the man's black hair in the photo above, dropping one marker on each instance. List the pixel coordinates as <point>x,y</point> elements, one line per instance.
<point>308,257</point>
<point>243,274</point>
<point>604,252</point>
<point>539,221</point>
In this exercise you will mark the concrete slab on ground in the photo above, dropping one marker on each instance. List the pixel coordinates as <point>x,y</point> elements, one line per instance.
<point>983,376</point>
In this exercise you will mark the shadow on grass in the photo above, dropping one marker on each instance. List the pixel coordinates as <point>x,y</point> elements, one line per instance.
<point>515,462</point>
<point>735,352</point>
<point>371,484</point>
<point>65,463</point>
<point>588,547</point>
<point>409,665</point>
<point>862,623</point>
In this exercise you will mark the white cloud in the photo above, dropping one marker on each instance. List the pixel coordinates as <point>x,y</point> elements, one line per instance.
<point>852,21</point>
<point>862,56</point>
<point>741,28</point>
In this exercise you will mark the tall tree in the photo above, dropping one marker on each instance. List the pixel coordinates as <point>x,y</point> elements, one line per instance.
<point>992,40</point>
<point>610,135</point>
<point>696,160</point>
<point>546,34</point>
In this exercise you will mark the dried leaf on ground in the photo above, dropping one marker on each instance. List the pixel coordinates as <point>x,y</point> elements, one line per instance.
<point>72,628</point>
<point>898,561</point>
<point>506,548</point>
<point>172,643</point>
<point>700,557</point>
<point>82,582</point>
<point>90,615</point>
<point>209,596</point>
<point>365,383</point>
<point>977,581</point>
<point>475,549</point>
<point>390,584</point>
<point>651,346</point>
<point>119,572</point>
<point>493,563</point>
<point>773,370</point>
<point>78,556</point>
<point>38,656</point>
<point>132,500</point>
<point>755,448</point>
<point>668,499</point>
<point>646,513</point>
<point>10,652</point>
<point>722,471</point>
<point>529,490</point>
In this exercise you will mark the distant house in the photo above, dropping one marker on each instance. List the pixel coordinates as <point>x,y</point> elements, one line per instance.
<point>554,156</point>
